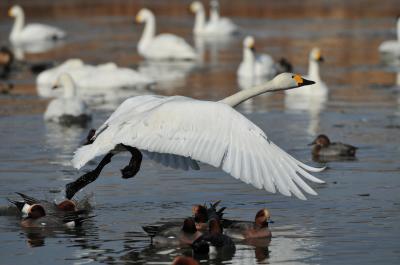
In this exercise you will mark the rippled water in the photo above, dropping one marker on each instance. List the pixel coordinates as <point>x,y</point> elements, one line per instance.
<point>354,220</point>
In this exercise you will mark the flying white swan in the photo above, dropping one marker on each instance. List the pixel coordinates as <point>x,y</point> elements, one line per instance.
<point>178,131</point>
<point>255,65</point>
<point>91,79</point>
<point>31,32</point>
<point>164,46</point>
<point>69,109</point>
<point>319,89</point>
<point>216,26</point>
<point>392,46</point>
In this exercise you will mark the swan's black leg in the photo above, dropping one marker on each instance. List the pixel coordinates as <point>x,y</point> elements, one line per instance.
<point>82,181</point>
<point>134,164</point>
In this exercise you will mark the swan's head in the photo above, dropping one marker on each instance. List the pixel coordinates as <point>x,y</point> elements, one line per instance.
<point>63,80</point>
<point>15,11</point>
<point>143,15</point>
<point>263,217</point>
<point>249,42</point>
<point>316,55</point>
<point>288,81</point>
<point>196,6</point>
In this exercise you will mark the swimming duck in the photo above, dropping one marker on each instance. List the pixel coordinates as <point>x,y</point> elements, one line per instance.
<point>21,33</point>
<point>50,207</point>
<point>249,230</point>
<point>214,241</point>
<point>6,60</point>
<point>170,234</point>
<point>163,46</point>
<point>322,146</point>
<point>203,214</point>
<point>69,109</point>
<point>182,260</point>
<point>37,217</point>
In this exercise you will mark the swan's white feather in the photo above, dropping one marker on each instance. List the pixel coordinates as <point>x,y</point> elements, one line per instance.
<point>210,132</point>
<point>38,32</point>
<point>168,46</point>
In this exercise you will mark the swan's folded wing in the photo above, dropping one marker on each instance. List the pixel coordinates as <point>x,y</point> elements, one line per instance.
<point>209,132</point>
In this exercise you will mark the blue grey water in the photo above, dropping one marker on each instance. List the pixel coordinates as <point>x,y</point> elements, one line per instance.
<point>355,219</point>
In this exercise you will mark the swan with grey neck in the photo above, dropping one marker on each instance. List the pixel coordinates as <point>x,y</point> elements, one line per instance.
<point>179,131</point>
<point>69,109</point>
<point>163,46</point>
<point>392,46</point>
<point>31,33</point>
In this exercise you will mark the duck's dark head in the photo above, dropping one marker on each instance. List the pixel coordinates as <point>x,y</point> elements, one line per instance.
<point>322,140</point>
<point>6,56</point>
<point>262,218</point>
<point>189,226</point>
<point>200,214</point>
<point>182,260</point>
<point>67,206</point>
<point>36,211</point>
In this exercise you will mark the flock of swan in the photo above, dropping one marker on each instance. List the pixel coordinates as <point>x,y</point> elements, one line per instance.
<point>176,131</point>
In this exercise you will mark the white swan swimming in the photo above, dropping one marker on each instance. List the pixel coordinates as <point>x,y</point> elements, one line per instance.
<point>164,46</point>
<point>68,109</point>
<point>30,33</point>
<point>179,131</point>
<point>392,46</point>
<point>91,79</point>
<point>255,65</point>
<point>319,89</point>
<point>217,26</point>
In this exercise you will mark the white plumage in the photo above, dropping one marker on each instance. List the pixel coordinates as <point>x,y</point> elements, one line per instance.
<point>163,46</point>
<point>21,33</point>
<point>178,131</point>
<point>217,26</point>
<point>91,79</point>
<point>392,46</point>
<point>69,106</point>
<point>255,65</point>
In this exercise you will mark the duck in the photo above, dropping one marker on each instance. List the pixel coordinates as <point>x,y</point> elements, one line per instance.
<point>203,214</point>
<point>319,89</point>
<point>392,46</point>
<point>182,260</point>
<point>30,33</point>
<point>6,61</point>
<point>249,230</point>
<point>213,241</point>
<point>64,206</point>
<point>255,65</point>
<point>92,80</point>
<point>323,147</point>
<point>38,218</point>
<point>164,46</point>
<point>179,132</point>
<point>69,109</point>
<point>169,234</point>
<point>216,27</point>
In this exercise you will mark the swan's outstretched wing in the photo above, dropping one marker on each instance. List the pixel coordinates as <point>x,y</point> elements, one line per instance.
<point>209,132</point>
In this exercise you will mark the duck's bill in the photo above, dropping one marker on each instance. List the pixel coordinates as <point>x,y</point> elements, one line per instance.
<point>271,221</point>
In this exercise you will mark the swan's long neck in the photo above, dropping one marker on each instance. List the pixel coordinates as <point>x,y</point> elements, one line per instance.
<point>249,59</point>
<point>148,32</point>
<point>214,11</point>
<point>398,29</point>
<point>69,87</point>
<point>246,94</point>
<point>313,70</point>
<point>200,20</point>
<point>19,22</point>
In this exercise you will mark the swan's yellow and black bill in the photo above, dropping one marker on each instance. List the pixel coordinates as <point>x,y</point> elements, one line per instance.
<point>138,19</point>
<point>302,81</point>
<point>9,13</point>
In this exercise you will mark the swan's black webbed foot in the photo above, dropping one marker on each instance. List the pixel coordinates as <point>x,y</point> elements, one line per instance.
<point>84,180</point>
<point>89,137</point>
<point>134,164</point>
